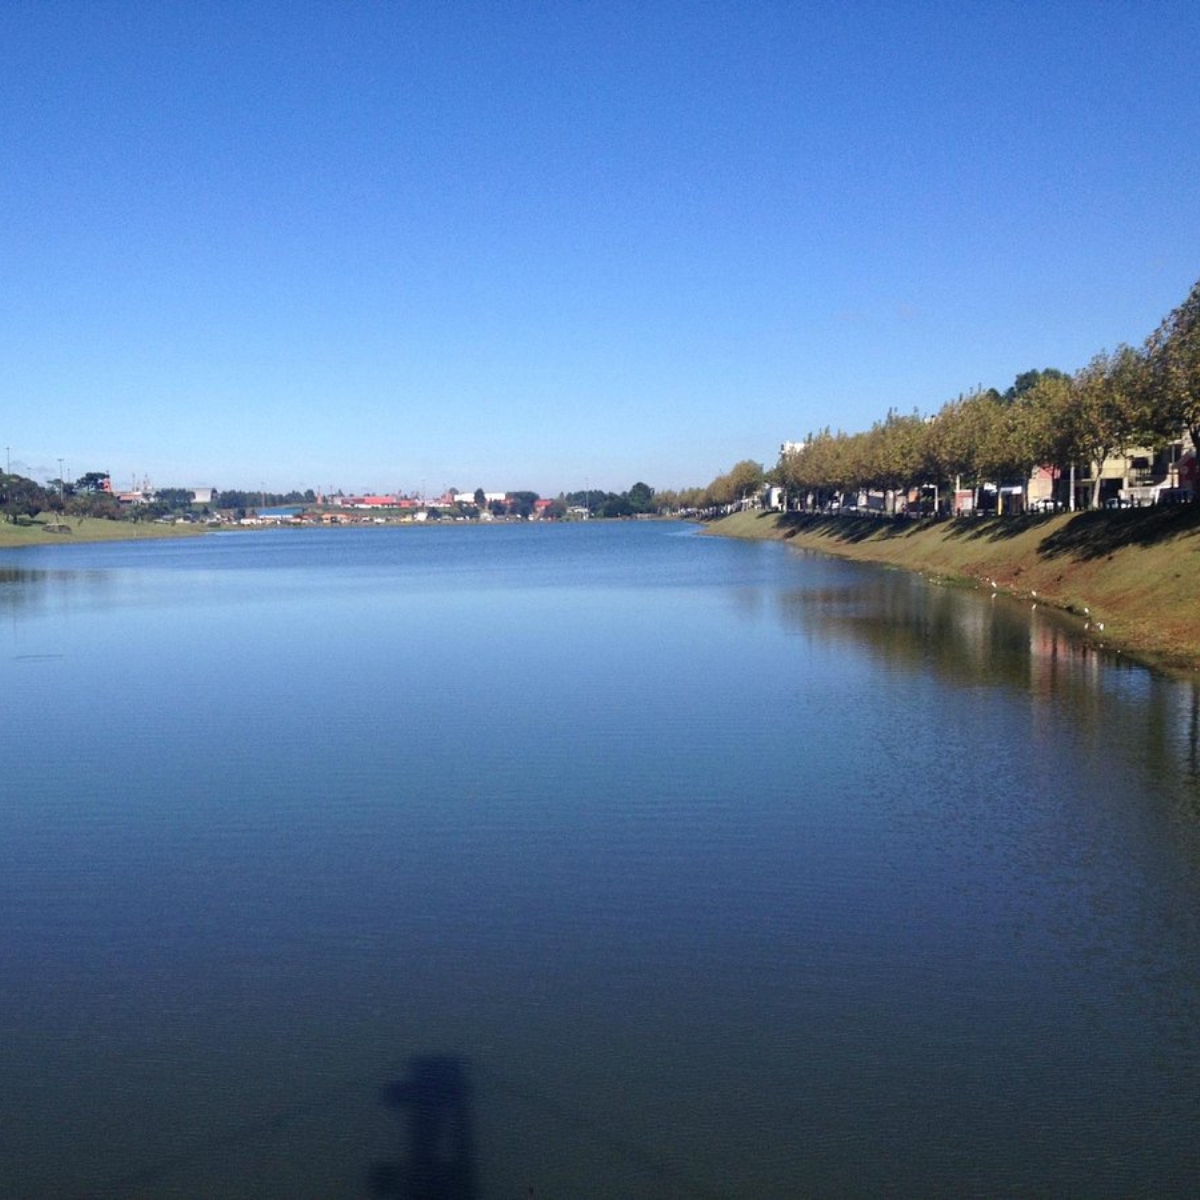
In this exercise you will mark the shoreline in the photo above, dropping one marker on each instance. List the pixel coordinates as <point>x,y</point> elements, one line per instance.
<point>1132,574</point>
<point>82,531</point>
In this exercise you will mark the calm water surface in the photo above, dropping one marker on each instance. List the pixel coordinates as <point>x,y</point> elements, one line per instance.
<point>729,871</point>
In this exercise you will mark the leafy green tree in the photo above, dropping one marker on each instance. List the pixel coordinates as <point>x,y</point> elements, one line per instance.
<point>520,504</point>
<point>746,479</point>
<point>1005,455</point>
<point>172,499</point>
<point>94,504</point>
<point>616,506</point>
<point>793,471</point>
<point>894,452</point>
<point>1055,425</point>
<point>1112,396</point>
<point>22,498</point>
<point>93,481</point>
<point>641,497</point>
<point>1026,381</point>
<point>665,502</point>
<point>936,467</point>
<point>1025,435</point>
<point>1173,353</point>
<point>978,441</point>
<point>593,499</point>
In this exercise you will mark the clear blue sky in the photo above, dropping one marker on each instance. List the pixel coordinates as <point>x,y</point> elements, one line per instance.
<point>538,245</point>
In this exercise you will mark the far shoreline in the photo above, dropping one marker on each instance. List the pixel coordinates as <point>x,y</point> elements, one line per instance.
<point>1132,574</point>
<point>90,530</point>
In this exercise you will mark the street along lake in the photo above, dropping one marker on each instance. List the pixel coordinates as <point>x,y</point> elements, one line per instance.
<point>723,869</point>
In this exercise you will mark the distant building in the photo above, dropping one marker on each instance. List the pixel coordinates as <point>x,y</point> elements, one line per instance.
<point>369,502</point>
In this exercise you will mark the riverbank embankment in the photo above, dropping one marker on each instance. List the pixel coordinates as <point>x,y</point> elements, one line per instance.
<point>1132,574</point>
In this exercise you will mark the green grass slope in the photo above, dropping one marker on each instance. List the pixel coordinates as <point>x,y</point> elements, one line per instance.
<point>45,531</point>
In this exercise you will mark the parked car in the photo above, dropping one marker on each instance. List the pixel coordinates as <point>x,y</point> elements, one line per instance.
<point>1173,496</point>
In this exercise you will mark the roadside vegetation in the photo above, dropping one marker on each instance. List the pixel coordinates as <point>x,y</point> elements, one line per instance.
<point>1145,398</point>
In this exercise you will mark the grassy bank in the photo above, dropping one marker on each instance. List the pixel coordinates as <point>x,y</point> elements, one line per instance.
<point>42,532</point>
<point>1136,572</point>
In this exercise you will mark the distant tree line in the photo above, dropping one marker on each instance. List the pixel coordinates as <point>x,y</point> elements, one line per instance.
<point>247,501</point>
<point>89,496</point>
<point>742,482</point>
<point>639,500</point>
<point>22,499</point>
<point>1134,397</point>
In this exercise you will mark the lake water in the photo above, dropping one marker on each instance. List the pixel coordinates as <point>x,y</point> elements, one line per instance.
<point>725,870</point>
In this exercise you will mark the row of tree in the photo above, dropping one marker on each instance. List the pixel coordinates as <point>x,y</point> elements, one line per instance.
<point>1135,397</point>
